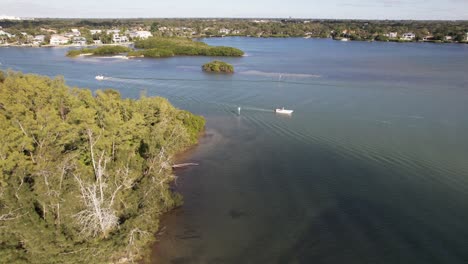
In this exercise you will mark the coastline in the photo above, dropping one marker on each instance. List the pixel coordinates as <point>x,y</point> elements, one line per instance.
<point>129,44</point>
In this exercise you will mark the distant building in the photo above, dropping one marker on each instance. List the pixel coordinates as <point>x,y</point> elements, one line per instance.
<point>95,31</point>
<point>58,40</point>
<point>79,41</point>
<point>3,33</point>
<point>448,38</point>
<point>428,38</point>
<point>69,35</point>
<point>393,34</point>
<point>38,40</point>
<point>140,34</point>
<point>113,31</point>
<point>224,31</point>
<point>466,37</point>
<point>116,38</point>
<point>97,42</point>
<point>408,36</point>
<point>236,32</point>
<point>75,32</point>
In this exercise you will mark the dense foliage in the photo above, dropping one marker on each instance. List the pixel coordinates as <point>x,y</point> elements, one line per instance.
<point>102,51</point>
<point>166,47</point>
<point>352,29</point>
<point>83,178</point>
<point>218,66</point>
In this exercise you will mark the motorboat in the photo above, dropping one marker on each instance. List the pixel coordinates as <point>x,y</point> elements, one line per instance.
<point>283,111</point>
<point>344,39</point>
<point>99,77</point>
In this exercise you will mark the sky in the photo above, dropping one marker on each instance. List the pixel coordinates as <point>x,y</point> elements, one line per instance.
<point>331,9</point>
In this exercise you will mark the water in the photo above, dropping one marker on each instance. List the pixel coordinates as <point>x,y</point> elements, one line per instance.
<point>372,167</point>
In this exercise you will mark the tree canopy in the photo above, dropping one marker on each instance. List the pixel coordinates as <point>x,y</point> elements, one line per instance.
<point>84,177</point>
<point>218,66</point>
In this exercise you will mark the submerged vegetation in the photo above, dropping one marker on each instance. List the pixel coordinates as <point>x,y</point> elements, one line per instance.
<point>84,178</point>
<point>100,51</point>
<point>218,66</point>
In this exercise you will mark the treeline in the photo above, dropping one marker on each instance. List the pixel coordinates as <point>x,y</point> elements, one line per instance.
<point>354,29</point>
<point>84,178</point>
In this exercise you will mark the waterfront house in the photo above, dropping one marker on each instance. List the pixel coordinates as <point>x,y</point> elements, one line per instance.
<point>224,31</point>
<point>58,40</point>
<point>79,41</point>
<point>97,42</point>
<point>428,38</point>
<point>117,38</point>
<point>448,38</point>
<point>95,31</point>
<point>408,36</point>
<point>38,40</point>
<point>393,35</point>
<point>140,34</point>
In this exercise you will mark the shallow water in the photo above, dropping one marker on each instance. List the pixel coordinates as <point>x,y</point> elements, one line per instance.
<point>372,167</point>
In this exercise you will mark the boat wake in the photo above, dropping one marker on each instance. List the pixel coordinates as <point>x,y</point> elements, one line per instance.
<point>279,74</point>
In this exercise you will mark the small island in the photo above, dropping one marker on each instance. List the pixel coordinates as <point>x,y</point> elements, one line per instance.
<point>218,66</point>
<point>100,51</point>
<point>161,47</point>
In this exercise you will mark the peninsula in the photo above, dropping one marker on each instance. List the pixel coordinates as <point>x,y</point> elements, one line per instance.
<point>84,177</point>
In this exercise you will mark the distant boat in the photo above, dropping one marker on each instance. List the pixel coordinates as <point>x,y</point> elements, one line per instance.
<point>283,111</point>
<point>99,77</point>
<point>344,39</point>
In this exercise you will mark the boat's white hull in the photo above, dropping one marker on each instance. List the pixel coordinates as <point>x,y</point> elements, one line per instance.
<point>99,78</point>
<point>283,111</point>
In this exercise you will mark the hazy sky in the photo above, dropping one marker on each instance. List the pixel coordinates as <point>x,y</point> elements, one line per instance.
<point>367,9</point>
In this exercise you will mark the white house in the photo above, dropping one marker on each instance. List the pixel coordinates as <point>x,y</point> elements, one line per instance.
<point>79,41</point>
<point>408,36</point>
<point>97,42</point>
<point>140,34</point>
<point>448,38</point>
<point>113,31</point>
<point>95,31</point>
<point>58,40</point>
<point>224,31</point>
<point>3,33</point>
<point>116,38</point>
<point>75,32</point>
<point>393,34</point>
<point>38,40</point>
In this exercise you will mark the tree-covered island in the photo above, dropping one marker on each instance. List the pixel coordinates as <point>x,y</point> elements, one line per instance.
<point>157,47</point>
<point>218,66</point>
<point>84,177</point>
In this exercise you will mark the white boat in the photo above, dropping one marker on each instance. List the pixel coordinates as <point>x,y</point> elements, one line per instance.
<point>344,39</point>
<point>99,77</point>
<point>283,111</point>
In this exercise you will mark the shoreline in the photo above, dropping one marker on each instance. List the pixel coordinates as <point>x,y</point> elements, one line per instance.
<point>127,44</point>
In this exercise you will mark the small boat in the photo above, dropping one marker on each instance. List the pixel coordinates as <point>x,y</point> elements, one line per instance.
<point>283,111</point>
<point>344,39</point>
<point>99,77</point>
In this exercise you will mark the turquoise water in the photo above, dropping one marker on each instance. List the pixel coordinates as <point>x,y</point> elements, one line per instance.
<point>372,167</point>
